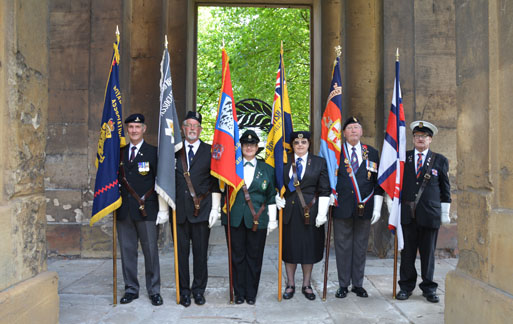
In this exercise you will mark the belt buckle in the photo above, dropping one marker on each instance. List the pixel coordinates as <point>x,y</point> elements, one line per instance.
<point>255,222</point>
<point>141,207</point>
<point>197,206</point>
<point>361,208</point>
<point>187,173</point>
<point>296,183</point>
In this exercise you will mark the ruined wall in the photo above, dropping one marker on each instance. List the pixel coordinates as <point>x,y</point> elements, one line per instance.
<point>24,280</point>
<point>23,104</point>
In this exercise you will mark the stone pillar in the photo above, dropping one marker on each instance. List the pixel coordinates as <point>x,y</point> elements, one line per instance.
<point>23,106</point>
<point>363,60</point>
<point>480,289</point>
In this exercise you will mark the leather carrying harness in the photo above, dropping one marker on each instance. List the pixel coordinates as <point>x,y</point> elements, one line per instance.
<point>131,190</point>
<point>256,216</point>
<point>427,177</point>
<point>197,200</point>
<point>306,208</point>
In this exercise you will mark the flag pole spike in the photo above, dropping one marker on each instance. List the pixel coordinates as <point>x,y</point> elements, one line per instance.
<point>397,55</point>
<point>338,50</point>
<point>117,30</point>
<point>165,42</point>
<point>223,43</point>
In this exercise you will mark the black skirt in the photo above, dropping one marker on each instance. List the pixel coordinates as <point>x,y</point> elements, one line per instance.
<point>303,244</point>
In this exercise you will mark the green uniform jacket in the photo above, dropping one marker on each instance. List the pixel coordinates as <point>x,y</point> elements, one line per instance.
<point>261,191</point>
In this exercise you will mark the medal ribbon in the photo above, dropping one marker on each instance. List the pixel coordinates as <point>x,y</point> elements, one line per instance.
<point>352,176</point>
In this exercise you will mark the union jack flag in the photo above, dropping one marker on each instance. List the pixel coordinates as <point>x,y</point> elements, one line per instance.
<point>393,156</point>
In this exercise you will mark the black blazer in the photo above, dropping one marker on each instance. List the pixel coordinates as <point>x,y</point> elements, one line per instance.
<point>428,211</point>
<point>314,181</point>
<point>347,204</point>
<point>202,181</point>
<point>141,181</point>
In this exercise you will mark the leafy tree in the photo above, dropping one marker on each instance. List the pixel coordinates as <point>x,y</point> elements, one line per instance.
<point>252,38</point>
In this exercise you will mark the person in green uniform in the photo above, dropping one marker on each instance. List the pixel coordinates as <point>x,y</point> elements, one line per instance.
<point>252,218</point>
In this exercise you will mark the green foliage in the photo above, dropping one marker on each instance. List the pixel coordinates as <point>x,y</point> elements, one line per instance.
<point>252,38</point>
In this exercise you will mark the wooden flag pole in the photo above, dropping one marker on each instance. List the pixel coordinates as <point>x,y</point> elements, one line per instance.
<point>175,248</point>
<point>395,265</point>
<point>114,261</point>
<point>230,274</point>
<point>280,245</point>
<point>327,257</point>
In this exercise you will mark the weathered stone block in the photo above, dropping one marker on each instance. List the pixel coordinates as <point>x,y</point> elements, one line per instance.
<point>68,105</point>
<point>64,206</point>
<point>70,29</point>
<point>69,6</point>
<point>97,240</point>
<point>66,171</point>
<point>69,68</point>
<point>67,139</point>
<point>501,250</point>
<point>63,239</point>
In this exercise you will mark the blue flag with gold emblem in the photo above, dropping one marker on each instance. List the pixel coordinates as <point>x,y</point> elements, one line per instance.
<point>106,188</point>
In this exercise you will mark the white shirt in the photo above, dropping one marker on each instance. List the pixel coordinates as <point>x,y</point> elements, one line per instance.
<point>195,147</point>
<point>304,158</point>
<point>358,150</point>
<point>138,147</point>
<point>249,171</point>
<point>424,154</point>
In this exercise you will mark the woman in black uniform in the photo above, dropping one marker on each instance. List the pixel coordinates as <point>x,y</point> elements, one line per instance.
<point>304,175</point>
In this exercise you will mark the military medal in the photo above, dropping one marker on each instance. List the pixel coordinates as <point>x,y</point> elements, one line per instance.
<point>264,185</point>
<point>368,175</point>
<point>143,167</point>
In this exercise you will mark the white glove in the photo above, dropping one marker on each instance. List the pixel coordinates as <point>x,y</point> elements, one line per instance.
<point>389,203</point>
<point>214,212</point>
<point>322,211</point>
<point>376,213</point>
<point>163,214</point>
<point>332,199</point>
<point>445,213</point>
<point>271,211</point>
<point>280,202</point>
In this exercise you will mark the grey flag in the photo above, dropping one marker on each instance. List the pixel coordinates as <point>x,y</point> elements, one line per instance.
<point>170,139</point>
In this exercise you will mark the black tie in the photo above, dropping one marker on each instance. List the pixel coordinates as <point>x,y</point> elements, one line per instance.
<point>191,155</point>
<point>248,163</point>
<point>132,154</point>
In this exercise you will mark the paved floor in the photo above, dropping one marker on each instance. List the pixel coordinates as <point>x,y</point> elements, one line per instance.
<point>85,290</point>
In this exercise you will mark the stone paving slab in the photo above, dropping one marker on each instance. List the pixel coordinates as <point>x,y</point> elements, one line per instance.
<point>85,291</point>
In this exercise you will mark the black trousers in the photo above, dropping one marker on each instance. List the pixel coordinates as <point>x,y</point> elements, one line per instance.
<point>422,239</point>
<point>199,234</point>
<point>247,256</point>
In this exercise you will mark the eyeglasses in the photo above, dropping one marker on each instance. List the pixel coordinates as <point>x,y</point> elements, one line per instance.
<point>420,136</point>
<point>303,142</point>
<point>193,126</point>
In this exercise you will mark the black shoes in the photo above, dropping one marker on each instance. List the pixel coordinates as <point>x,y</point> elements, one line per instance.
<point>156,300</point>
<point>290,294</point>
<point>431,297</point>
<point>341,292</point>
<point>128,298</point>
<point>239,300</point>
<point>250,301</point>
<point>403,295</point>
<point>199,299</point>
<point>360,292</point>
<point>309,296</point>
<point>185,300</point>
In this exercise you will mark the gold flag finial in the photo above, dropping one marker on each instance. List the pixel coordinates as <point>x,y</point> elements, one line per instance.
<point>397,55</point>
<point>165,41</point>
<point>338,50</point>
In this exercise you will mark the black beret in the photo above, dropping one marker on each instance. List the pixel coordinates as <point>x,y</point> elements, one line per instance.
<point>351,120</point>
<point>135,118</point>
<point>249,137</point>
<point>193,115</point>
<point>299,134</point>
